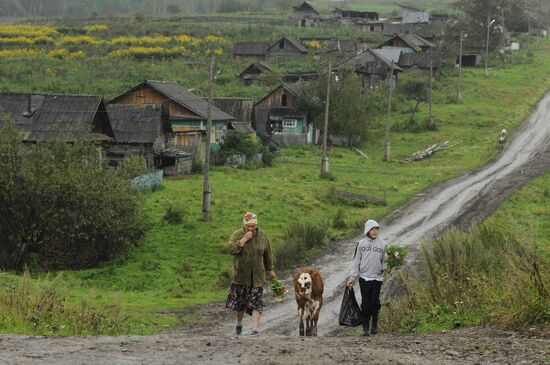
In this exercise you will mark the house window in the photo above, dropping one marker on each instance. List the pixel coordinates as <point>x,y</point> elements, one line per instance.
<point>282,44</point>
<point>284,100</point>
<point>289,123</point>
<point>372,28</point>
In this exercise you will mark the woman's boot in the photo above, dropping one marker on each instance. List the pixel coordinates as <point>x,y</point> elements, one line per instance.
<point>366,326</point>
<point>374,329</point>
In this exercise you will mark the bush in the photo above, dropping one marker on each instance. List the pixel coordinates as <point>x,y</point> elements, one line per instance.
<point>236,143</point>
<point>339,220</point>
<point>197,167</point>
<point>174,214</point>
<point>482,276</point>
<point>267,157</point>
<point>62,204</point>
<point>132,166</point>
<point>301,242</point>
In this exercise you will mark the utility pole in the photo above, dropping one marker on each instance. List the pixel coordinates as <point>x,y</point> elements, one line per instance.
<point>324,161</point>
<point>431,120</point>
<point>529,54</point>
<point>206,185</point>
<point>458,91</point>
<point>489,23</point>
<point>388,122</point>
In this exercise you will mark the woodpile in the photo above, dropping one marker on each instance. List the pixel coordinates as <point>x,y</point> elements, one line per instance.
<point>420,155</point>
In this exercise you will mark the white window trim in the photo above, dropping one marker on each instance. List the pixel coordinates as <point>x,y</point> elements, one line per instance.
<point>290,123</point>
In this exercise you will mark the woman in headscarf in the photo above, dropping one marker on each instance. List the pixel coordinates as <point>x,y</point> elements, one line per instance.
<point>252,264</point>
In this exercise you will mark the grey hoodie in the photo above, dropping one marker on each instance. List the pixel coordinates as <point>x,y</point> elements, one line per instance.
<point>369,258</point>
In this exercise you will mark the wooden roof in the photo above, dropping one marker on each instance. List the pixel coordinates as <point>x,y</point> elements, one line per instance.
<point>176,93</point>
<point>305,6</point>
<point>70,118</point>
<point>250,48</point>
<point>135,123</point>
<point>16,106</point>
<point>294,42</point>
<point>412,40</point>
<point>421,60</point>
<point>256,68</point>
<point>368,56</point>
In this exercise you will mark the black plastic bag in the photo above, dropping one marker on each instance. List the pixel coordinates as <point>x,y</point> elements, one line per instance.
<point>350,312</point>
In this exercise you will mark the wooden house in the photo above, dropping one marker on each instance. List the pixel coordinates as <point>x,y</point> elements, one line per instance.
<point>277,118</point>
<point>410,43</point>
<point>287,47</point>
<point>250,49</point>
<point>187,114</point>
<point>56,117</point>
<point>410,14</point>
<point>253,72</point>
<point>373,67</point>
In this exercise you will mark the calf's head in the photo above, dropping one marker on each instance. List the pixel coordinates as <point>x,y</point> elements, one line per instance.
<point>303,285</point>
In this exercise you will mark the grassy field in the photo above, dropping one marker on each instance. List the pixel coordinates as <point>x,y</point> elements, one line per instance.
<point>181,265</point>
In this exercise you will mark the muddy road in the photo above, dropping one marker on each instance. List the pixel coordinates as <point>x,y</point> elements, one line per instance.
<point>473,196</point>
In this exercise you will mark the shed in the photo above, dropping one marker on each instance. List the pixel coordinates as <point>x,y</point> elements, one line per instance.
<point>469,60</point>
<point>254,71</point>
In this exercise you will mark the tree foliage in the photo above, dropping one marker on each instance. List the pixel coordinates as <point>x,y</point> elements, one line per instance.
<point>236,143</point>
<point>60,204</point>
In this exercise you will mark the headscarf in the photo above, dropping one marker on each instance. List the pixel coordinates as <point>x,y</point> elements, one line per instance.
<point>250,218</point>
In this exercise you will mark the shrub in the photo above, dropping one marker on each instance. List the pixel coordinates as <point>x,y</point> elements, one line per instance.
<point>236,143</point>
<point>132,166</point>
<point>174,214</point>
<point>339,220</point>
<point>197,167</point>
<point>301,243</point>
<point>62,204</point>
<point>267,157</point>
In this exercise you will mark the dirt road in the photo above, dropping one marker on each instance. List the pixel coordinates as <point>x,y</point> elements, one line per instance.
<point>456,202</point>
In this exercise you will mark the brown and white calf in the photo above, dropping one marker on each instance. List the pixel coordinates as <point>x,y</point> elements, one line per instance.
<point>308,290</point>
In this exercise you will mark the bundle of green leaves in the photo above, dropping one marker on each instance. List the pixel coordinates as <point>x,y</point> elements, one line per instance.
<point>395,256</point>
<point>278,289</point>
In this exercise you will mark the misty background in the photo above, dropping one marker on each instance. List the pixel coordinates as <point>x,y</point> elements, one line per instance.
<point>90,8</point>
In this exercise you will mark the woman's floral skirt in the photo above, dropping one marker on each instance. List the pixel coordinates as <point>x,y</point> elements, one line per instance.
<point>244,299</point>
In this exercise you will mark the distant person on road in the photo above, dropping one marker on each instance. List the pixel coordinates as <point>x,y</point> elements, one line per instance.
<point>368,265</point>
<point>252,264</point>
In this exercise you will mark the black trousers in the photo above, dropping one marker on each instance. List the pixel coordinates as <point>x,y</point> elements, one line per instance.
<point>370,297</point>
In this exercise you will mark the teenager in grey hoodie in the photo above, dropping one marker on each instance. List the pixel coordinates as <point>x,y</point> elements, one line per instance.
<point>368,265</point>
